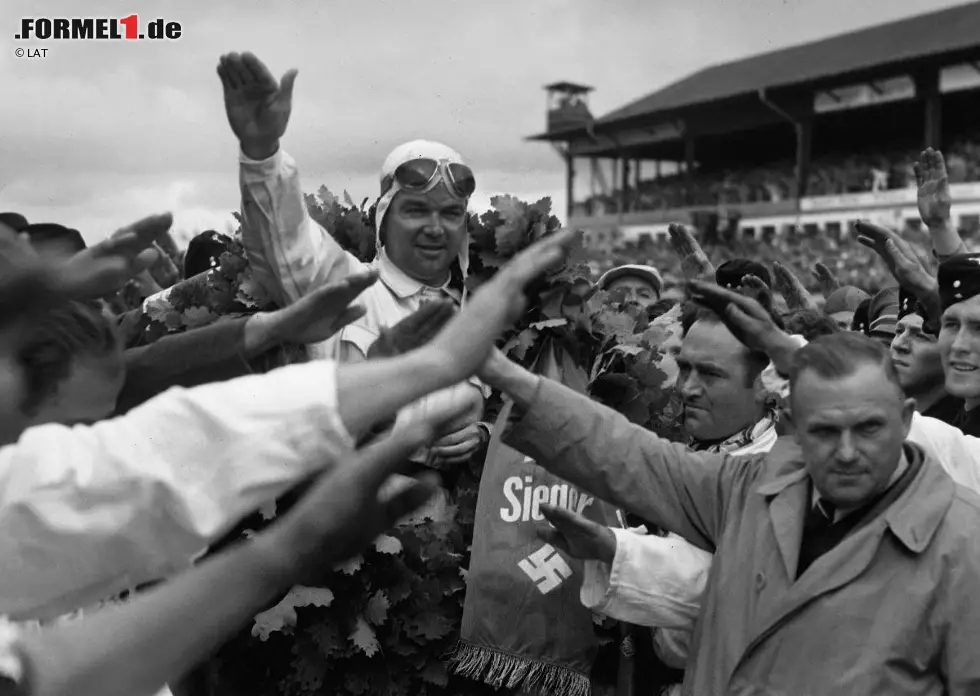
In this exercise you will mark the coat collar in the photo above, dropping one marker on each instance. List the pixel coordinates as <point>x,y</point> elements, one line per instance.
<point>913,518</point>
<point>402,285</point>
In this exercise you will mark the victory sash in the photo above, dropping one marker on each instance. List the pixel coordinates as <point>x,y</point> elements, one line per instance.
<point>524,626</point>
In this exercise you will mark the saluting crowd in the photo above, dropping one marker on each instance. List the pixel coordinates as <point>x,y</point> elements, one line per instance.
<point>816,534</point>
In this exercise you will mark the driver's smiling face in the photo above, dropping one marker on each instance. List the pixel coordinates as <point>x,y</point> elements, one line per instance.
<point>424,232</point>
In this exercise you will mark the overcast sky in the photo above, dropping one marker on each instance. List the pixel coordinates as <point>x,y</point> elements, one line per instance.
<point>98,134</point>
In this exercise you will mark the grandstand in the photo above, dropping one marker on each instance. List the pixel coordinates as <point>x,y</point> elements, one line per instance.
<point>815,135</point>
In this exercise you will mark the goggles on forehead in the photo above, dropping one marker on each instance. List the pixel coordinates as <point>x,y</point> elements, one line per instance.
<point>423,174</point>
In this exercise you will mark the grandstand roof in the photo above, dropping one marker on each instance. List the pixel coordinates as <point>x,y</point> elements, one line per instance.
<point>917,37</point>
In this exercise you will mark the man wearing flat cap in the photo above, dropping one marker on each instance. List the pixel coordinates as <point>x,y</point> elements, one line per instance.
<point>883,315</point>
<point>842,304</point>
<point>959,335</point>
<point>640,284</point>
<point>859,322</point>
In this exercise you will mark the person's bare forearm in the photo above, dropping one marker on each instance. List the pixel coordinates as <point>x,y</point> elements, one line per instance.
<point>136,648</point>
<point>946,241</point>
<point>375,390</point>
<point>510,378</point>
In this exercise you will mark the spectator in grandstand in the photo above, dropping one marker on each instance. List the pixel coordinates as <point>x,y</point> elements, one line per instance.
<point>636,283</point>
<point>883,315</point>
<point>918,364</point>
<point>842,304</point>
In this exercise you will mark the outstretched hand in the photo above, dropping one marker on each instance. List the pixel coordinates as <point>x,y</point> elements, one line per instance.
<point>467,340</point>
<point>105,267</point>
<point>826,278</point>
<point>792,288</point>
<point>754,287</point>
<point>257,105</point>
<point>577,535</point>
<point>745,317</point>
<point>899,256</point>
<point>694,262</point>
<point>412,332</point>
<point>933,195</point>
<point>345,509</point>
<point>323,312</point>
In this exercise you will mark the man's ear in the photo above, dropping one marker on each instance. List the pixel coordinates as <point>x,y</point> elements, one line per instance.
<point>908,410</point>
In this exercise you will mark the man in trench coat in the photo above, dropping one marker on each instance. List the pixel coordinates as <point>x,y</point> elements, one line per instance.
<point>886,606</point>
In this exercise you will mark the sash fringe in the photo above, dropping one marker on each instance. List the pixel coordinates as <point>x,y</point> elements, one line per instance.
<point>501,670</point>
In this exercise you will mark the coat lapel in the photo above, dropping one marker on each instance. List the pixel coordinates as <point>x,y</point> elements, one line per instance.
<point>786,518</point>
<point>832,570</point>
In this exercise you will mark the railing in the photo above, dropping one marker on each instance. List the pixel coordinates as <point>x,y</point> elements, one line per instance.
<point>894,198</point>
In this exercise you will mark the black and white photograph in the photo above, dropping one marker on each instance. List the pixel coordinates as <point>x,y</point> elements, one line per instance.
<point>545,348</point>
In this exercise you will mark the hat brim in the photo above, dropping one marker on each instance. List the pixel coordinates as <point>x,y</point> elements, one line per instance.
<point>630,272</point>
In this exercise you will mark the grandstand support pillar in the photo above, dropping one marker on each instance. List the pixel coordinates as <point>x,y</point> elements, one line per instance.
<point>689,155</point>
<point>624,190</point>
<point>569,185</point>
<point>804,143</point>
<point>927,90</point>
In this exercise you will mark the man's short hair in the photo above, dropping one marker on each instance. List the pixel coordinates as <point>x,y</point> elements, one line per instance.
<point>64,333</point>
<point>810,324</point>
<point>840,355</point>
<point>693,313</point>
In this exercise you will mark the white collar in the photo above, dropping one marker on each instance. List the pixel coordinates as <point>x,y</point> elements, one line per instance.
<point>403,285</point>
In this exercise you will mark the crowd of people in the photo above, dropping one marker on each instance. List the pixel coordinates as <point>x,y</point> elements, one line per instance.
<point>814,535</point>
<point>829,175</point>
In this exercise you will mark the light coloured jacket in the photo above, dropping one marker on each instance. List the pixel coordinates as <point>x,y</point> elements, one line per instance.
<point>657,581</point>
<point>291,255</point>
<point>890,610</point>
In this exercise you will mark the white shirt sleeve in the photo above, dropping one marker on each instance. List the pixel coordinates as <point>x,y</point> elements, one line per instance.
<point>772,381</point>
<point>289,252</point>
<point>958,454</point>
<point>87,512</point>
<point>653,581</point>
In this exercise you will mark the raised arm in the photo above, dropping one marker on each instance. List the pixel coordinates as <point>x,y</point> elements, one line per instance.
<point>291,255</point>
<point>935,202</point>
<point>136,647</point>
<point>959,454</point>
<point>148,492</point>
<point>595,447</point>
<point>222,350</point>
